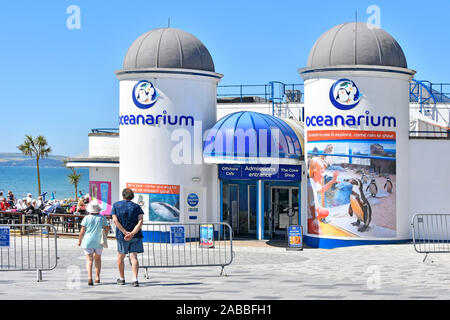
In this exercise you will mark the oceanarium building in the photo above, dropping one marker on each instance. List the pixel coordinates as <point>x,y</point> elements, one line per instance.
<point>346,155</point>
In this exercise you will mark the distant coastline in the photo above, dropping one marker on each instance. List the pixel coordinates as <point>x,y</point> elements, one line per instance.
<point>20,160</point>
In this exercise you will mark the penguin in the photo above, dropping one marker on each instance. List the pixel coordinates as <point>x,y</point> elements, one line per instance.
<point>342,95</point>
<point>388,185</point>
<point>364,178</point>
<point>359,205</point>
<point>372,187</point>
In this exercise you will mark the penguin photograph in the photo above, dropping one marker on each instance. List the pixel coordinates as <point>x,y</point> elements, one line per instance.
<point>361,202</point>
<point>388,185</point>
<point>364,178</point>
<point>372,187</point>
<point>359,205</point>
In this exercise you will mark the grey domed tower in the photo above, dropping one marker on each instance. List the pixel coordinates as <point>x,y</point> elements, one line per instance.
<point>168,88</point>
<point>357,106</point>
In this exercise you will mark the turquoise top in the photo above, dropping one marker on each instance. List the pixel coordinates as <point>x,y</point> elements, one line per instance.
<point>94,225</point>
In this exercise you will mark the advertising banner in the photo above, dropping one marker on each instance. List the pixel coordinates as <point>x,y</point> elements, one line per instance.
<point>207,235</point>
<point>351,146</point>
<point>100,191</point>
<point>295,237</point>
<point>160,202</point>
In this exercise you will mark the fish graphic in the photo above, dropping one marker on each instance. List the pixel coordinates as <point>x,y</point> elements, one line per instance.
<point>165,211</point>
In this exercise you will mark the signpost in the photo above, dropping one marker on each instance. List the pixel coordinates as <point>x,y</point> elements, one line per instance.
<point>177,235</point>
<point>295,237</point>
<point>207,235</point>
<point>4,237</point>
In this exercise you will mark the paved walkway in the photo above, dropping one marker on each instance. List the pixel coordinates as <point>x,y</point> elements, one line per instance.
<point>260,270</point>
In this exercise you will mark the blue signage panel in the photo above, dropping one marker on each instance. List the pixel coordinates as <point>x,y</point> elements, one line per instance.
<point>260,172</point>
<point>4,237</point>
<point>295,238</point>
<point>177,235</point>
<point>207,235</point>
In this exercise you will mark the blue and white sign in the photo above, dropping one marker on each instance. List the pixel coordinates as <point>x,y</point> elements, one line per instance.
<point>260,172</point>
<point>4,237</point>
<point>192,199</point>
<point>144,94</point>
<point>295,238</point>
<point>177,235</point>
<point>207,235</point>
<point>344,94</point>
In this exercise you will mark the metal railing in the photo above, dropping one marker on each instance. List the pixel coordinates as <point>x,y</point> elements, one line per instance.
<point>165,248</point>
<point>70,223</point>
<point>28,247</point>
<point>427,134</point>
<point>260,93</point>
<point>65,224</point>
<point>420,91</point>
<point>430,233</point>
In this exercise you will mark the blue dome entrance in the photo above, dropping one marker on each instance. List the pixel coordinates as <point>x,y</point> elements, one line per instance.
<point>252,137</point>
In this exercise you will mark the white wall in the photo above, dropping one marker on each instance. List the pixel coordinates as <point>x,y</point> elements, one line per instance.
<point>429,176</point>
<point>104,145</point>
<point>440,113</point>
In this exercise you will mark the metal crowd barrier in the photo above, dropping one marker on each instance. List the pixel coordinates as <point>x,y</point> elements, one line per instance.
<point>169,245</point>
<point>28,247</point>
<point>430,233</point>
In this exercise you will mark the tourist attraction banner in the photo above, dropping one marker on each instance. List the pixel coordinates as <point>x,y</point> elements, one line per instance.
<point>160,202</point>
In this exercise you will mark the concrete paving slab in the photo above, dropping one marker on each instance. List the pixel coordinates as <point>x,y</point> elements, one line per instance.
<point>259,271</point>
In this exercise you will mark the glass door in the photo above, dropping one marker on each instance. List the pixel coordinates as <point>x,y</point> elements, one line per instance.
<point>285,209</point>
<point>251,209</point>
<point>230,205</point>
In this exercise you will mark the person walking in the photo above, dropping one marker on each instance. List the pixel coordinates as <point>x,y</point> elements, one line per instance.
<point>90,239</point>
<point>128,218</point>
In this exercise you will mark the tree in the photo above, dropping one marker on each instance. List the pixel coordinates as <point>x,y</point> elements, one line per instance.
<point>37,147</point>
<point>74,178</point>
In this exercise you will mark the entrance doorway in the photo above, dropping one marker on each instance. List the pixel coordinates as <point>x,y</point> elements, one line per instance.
<point>284,209</point>
<point>239,208</point>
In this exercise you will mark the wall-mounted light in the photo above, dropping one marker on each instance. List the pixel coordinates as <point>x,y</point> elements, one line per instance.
<point>196,179</point>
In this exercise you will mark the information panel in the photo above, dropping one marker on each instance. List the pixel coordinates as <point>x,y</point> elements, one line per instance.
<point>295,237</point>
<point>260,172</point>
<point>177,235</point>
<point>4,237</point>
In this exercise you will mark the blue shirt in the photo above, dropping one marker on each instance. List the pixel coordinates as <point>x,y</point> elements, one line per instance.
<point>127,213</point>
<point>94,224</point>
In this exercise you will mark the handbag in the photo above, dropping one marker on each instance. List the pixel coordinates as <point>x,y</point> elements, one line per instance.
<point>104,239</point>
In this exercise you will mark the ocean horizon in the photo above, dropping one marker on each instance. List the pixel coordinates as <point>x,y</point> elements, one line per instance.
<point>23,180</point>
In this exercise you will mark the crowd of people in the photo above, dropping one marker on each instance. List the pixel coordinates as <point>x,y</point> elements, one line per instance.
<point>40,206</point>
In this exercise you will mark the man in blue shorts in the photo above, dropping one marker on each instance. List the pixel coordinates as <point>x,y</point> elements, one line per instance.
<point>128,218</point>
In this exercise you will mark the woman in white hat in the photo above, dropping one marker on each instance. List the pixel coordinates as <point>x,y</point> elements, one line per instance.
<point>90,239</point>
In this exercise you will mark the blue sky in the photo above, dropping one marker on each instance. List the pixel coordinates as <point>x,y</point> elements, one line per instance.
<point>60,82</point>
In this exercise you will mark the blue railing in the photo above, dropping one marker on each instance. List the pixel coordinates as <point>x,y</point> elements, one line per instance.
<point>421,91</point>
<point>274,91</point>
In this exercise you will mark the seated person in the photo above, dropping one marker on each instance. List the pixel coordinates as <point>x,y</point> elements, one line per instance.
<point>81,208</point>
<point>20,205</point>
<point>49,207</point>
<point>4,205</point>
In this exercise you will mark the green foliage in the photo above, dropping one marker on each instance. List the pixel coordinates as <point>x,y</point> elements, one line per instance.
<point>37,147</point>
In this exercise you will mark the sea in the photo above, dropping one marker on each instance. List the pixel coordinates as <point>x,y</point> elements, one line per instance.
<point>23,180</point>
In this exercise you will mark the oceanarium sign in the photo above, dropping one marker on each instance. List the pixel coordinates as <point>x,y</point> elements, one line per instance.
<point>345,95</point>
<point>145,95</point>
